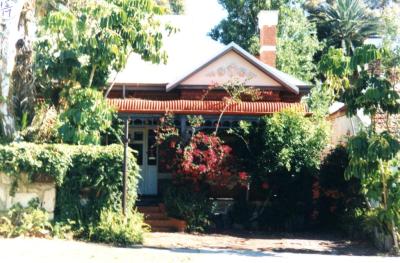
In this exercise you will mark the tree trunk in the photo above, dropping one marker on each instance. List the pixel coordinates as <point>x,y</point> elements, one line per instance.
<point>15,20</point>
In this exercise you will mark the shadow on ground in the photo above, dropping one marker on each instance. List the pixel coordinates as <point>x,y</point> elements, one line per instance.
<point>260,244</point>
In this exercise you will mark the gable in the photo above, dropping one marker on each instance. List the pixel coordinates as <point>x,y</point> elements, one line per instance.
<point>228,67</point>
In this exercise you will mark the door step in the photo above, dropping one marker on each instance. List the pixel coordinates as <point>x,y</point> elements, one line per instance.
<point>157,218</point>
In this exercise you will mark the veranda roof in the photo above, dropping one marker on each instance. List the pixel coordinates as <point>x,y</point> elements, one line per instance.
<point>194,107</point>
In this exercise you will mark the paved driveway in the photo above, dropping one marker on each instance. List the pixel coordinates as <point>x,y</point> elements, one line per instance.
<point>60,251</point>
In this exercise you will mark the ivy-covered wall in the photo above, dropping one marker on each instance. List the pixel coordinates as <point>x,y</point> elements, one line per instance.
<point>87,178</point>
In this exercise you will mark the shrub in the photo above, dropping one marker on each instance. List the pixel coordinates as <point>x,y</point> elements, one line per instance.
<point>200,159</point>
<point>88,178</point>
<point>116,229</point>
<point>26,221</point>
<point>282,156</point>
<point>44,126</point>
<point>189,203</point>
<point>338,198</point>
<point>94,182</point>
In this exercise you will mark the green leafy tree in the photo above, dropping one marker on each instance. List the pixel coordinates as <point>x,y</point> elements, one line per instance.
<point>345,24</point>
<point>86,117</point>
<point>390,17</point>
<point>83,42</point>
<point>176,7</point>
<point>241,24</point>
<point>297,41</point>
<point>370,77</point>
<point>80,42</point>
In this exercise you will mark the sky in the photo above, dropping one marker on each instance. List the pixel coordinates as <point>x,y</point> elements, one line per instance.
<point>205,14</point>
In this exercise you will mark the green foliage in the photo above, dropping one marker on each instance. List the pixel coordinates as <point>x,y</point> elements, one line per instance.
<point>371,75</point>
<point>116,229</point>
<point>88,178</point>
<point>345,24</point>
<point>297,41</point>
<point>297,44</point>
<point>374,160</point>
<point>390,17</point>
<point>241,24</point>
<point>93,183</point>
<point>282,155</point>
<point>87,116</point>
<point>190,204</point>
<point>34,159</point>
<point>29,221</point>
<point>363,81</point>
<point>319,100</point>
<point>287,141</point>
<point>44,126</point>
<point>81,43</point>
<point>176,7</point>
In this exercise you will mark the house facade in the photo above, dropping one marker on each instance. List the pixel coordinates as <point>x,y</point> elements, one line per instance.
<point>188,85</point>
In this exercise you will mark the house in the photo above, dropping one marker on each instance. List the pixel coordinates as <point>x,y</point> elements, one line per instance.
<point>343,126</point>
<point>143,92</point>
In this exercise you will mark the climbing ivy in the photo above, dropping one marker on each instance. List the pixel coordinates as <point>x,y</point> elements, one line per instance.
<point>88,178</point>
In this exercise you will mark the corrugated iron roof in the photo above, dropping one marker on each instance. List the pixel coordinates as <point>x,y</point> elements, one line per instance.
<point>202,107</point>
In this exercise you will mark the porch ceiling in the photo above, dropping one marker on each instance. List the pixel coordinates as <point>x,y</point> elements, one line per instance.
<point>202,107</point>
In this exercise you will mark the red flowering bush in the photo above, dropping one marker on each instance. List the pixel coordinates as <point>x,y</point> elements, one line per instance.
<point>202,159</point>
<point>206,159</point>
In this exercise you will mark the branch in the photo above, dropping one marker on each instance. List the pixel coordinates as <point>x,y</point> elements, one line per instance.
<point>92,75</point>
<point>111,86</point>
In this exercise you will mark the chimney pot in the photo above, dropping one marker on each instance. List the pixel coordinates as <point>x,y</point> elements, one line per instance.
<point>267,22</point>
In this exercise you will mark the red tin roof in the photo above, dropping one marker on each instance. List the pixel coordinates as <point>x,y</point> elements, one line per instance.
<point>202,107</point>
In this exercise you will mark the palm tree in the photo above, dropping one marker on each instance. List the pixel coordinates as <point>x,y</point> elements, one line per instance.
<point>346,24</point>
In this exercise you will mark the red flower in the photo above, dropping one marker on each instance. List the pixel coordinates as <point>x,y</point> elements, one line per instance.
<point>202,168</point>
<point>172,144</point>
<point>243,176</point>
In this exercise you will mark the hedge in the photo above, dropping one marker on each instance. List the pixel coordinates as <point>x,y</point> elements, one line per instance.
<point>88,178</point>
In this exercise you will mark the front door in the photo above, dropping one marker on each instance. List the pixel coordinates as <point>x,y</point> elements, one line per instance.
<point>143,141</point>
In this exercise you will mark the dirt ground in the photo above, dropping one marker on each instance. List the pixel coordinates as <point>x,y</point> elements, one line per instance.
<point>299,243</point>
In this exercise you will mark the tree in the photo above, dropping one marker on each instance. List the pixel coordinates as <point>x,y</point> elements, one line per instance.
<point>297,44</point>
<point>297,41</point>
<point>370,77</point>
<point>79,44</point>
<point>345,24</point>
<point>390,17</point>
<point>241,25</point>
<point>176,7</point>
<point>83,42</point>
<point>87,115</point>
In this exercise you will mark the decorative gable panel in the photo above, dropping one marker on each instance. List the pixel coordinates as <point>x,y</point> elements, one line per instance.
<point>230,66</point>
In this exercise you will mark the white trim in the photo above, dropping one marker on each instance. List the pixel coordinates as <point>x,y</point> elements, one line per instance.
<point>267,48</point>
<point>268,70</point>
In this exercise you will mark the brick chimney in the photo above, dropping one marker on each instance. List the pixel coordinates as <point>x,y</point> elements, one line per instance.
<point>267,22</point>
